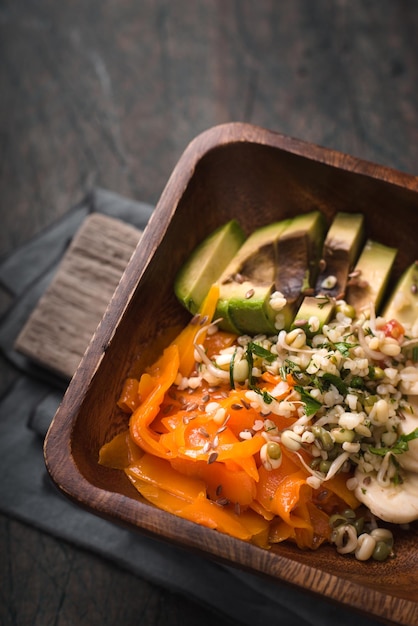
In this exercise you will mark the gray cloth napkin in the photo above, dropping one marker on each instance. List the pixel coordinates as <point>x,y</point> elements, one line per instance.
<point>27,493</point>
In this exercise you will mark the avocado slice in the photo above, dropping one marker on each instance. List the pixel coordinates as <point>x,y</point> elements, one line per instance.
<point>403,302</point>
<point>248,309</point>
<point>282,264</point>
<point>319,307</point>
<point>206,263</point>
<point>368,281</point>
<point>298,251</point>
<point>248,281</point>
<point>341,249</point>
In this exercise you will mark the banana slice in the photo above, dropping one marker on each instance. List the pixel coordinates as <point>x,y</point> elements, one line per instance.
<point>409,459</point>
<point>397,504</point>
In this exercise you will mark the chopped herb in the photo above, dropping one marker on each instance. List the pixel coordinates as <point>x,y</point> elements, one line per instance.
<point>288,367</point>
<point>253,349</point>
<point>323,301</point>
<point>344,347</point>
<point>250,361</point>
<point>400,446</point>
<point>415,354</point>
<point>231,370</point>
<point>260,351</point>
<point>311,404</point>
<point>267,397</point>
<point>332,379</point>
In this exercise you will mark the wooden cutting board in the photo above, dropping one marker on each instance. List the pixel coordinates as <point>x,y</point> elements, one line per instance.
<point>60,327</point>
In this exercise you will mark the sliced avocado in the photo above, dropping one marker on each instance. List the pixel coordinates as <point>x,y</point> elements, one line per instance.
<point>278,258</point>
<point>370,277</point>
<point>341,249</point>
<point>206,264</point>
<point>403,302</point>
<point>248,308</point>
<point>248,281</point>
<point>298,251</point>
<point>320,308</point>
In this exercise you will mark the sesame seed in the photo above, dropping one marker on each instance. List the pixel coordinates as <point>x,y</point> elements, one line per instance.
<point>212,457</point>
<point>249,294</point>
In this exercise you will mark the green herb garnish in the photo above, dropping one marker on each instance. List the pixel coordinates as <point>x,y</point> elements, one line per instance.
<point>261,352</point>
<point>288,367</point>
<point>332,379</point>
<point>344,347</point>
<point>267,397</point>
<point>400,445</point>
<point>311,404</point>
<point>231,370</point>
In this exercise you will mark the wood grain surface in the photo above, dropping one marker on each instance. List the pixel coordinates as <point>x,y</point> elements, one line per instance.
<point>110,93</point>
<point>60,327</point>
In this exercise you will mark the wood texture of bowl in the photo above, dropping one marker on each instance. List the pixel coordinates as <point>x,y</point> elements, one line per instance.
<point>233,170</point>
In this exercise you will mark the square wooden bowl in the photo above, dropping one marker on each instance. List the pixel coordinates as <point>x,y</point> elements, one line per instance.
<point>233,170</point>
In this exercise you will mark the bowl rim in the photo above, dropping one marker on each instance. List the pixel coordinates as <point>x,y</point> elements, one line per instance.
<point>63,469</point>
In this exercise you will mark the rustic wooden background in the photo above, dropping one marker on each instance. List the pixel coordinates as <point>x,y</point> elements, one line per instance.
<point>109,93</point>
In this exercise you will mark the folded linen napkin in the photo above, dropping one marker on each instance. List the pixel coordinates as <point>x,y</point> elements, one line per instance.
<point>27,493</point>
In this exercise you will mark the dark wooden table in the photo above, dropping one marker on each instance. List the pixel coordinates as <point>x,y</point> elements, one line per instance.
<point>109,93</point>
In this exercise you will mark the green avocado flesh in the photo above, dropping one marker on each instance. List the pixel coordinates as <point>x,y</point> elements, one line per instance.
<point>286,253</point>
<point>206,263</point>
<point>403,302</point>
<point>247,282</point>
<point>292,273</point>
<point>318,307</point>
<point>370,277</point>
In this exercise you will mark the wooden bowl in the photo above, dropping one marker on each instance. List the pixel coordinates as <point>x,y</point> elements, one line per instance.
<point>258,176</point>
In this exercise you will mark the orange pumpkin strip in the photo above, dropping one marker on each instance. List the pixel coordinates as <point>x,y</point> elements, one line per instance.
<point>119,452</point>
<point>160,473</point>
<point>129,398</point>
<point>163,375</point>
<point>185,340</point>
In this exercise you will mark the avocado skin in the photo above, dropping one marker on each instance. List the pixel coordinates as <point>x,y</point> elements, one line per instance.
<point>370,277</point>
<point>341,249</point>
<point>207,261</point>
<point>402,304</point>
